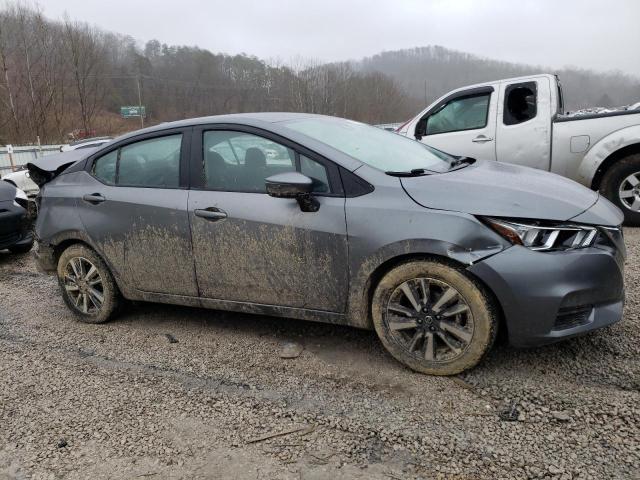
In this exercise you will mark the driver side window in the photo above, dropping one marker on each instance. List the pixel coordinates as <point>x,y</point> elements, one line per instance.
<point>463,113</point>
<point>236,161</point>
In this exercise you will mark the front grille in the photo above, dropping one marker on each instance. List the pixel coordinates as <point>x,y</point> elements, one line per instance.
<point>572,317</point>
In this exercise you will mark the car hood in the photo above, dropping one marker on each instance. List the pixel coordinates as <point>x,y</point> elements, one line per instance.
<point>46,168</point>
<point>7,191</point>
<point>501,190</point>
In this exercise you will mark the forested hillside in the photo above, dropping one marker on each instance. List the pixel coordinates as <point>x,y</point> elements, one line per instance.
<point>429,72</point>
<point>63,78</point>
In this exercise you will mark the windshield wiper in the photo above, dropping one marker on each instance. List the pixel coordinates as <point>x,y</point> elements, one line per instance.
<point>461,161</point>
<point>415,172</point>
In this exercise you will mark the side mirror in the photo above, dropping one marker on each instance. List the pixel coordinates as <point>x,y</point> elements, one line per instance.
<point>293,185</point>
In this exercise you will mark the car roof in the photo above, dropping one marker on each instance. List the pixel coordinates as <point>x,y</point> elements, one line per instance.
<point>253,119</point>
<point>90,140</point>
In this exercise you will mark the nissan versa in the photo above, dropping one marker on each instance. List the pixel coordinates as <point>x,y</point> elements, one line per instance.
<point>326,219</point>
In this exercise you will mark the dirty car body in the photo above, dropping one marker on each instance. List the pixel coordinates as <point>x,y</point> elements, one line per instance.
<point>200,227</point>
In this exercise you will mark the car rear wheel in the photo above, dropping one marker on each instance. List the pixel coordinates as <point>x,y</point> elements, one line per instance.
<point>433,317</point>
<point>88,288</point>
<point>621,185</point>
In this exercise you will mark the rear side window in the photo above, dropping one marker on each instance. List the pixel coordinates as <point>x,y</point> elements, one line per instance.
<point>520,103</point>
<point>464,113</point>
<point>147,163</point>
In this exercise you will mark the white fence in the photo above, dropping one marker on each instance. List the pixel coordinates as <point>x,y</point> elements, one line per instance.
<point>25,154</point>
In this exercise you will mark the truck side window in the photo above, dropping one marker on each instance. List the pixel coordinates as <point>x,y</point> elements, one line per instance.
<point>520,103</point>
<point>463,113</point>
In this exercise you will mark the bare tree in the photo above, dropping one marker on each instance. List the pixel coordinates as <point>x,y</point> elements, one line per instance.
<point>87,58</point>
<point>61,76</point>
<point>5,56</point>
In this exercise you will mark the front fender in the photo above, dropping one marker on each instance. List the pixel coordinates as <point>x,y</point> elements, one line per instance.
<point>603,149</point>
<point>358,307</point>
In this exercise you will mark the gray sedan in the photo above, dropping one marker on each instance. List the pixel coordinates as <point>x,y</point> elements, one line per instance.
<point>326,219</point>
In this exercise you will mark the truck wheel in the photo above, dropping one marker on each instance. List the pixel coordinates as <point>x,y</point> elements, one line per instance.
<point>433,317</point>
<point>87,286</point>
<point>621,185</point>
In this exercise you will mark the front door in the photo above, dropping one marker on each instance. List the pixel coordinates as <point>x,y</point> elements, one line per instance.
<point>462,125</point>
<point>250,247</point>
<point>524,127</point>
<point>134,208</point>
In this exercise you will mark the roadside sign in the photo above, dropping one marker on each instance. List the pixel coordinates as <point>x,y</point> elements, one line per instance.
<point>10,149</point>
<point>133,111</point>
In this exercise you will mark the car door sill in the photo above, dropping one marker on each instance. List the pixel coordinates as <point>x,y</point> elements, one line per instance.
<point>245,307</point>
<point>275,310</point>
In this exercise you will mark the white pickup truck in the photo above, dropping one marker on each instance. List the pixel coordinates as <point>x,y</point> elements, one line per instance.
<point>521,121</point>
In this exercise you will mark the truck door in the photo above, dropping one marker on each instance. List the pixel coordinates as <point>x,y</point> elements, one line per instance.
<point>523,131</point>
<point>462,124</point>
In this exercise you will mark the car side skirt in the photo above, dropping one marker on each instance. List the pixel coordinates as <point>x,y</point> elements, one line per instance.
<point>242,307</point>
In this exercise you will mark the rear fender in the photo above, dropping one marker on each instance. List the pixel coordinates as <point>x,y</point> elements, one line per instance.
<point>596,156</point>
<point>67,237</point>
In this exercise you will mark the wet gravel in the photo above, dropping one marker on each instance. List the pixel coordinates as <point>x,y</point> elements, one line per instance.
<point>173,392</point>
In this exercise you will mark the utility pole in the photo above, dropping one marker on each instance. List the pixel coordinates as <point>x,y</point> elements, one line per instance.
<point>425,91</point>
<point>140,102</point>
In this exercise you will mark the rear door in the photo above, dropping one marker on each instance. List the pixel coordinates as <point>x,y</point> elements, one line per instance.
<point>462,124</point>
<point>134,208</point>
<point>523,132</point>
<point>250,247</point>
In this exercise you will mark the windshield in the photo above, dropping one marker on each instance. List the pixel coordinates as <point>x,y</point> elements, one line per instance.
<point>379,148</point>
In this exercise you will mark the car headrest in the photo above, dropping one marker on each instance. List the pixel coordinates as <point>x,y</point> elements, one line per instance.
<point>255,158</point>
<point>215,160</point>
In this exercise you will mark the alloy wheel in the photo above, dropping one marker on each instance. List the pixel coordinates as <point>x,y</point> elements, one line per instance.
<point>430,319</point>
<point>84,286</point>
<point>629,192</point>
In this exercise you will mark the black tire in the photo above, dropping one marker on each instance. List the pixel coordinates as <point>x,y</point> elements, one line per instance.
<point>106,289</point>
<point>478,322</point>
<point>24,248</point>
<point>615,178</point>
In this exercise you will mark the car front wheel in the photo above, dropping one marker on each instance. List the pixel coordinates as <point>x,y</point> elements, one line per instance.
<point>88,288</point>
<point>433,317</point>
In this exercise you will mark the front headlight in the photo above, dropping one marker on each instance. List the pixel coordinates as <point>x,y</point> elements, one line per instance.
<point>544,236</point>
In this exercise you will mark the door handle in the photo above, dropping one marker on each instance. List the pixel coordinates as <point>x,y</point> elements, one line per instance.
<point>481,139</point>
<point>212,213</point>
<point>93,198</point>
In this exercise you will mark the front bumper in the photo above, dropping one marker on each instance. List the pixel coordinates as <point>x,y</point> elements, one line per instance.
<point>15,225</point>
<point>551,296</point>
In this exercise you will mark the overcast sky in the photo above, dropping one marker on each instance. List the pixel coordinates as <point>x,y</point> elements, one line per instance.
<point>598,34</point>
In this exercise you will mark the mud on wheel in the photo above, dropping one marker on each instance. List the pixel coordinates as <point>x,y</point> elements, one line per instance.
<point>87,285</point>
<point>433,317</point>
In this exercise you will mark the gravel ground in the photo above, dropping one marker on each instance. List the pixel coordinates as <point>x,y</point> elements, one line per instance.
<point>173,392</point>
